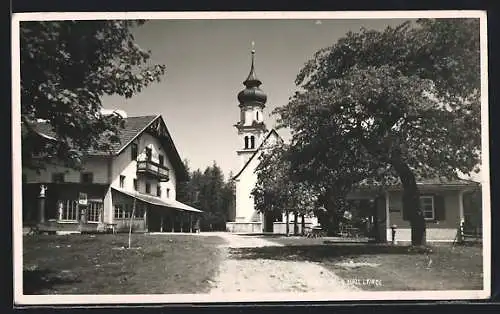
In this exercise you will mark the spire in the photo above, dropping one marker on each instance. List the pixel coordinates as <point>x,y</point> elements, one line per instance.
<point>252,79</point>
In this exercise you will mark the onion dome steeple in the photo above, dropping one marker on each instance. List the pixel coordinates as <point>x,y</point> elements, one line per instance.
<point>252,93</point>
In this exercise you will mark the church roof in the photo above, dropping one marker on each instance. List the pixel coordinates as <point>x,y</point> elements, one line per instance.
<point>252,92</point>
<point>256,152</point>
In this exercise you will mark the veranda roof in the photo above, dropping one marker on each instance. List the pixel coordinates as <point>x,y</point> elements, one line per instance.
<point>153,200</point>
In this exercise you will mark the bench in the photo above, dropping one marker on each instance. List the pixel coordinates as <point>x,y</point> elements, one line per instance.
<point>465,232</point>
<point>110,227</point>
<point>33,229</point>
<point>314,232</point>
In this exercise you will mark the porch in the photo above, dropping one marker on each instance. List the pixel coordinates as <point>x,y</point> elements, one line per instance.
<point>152,214</point>
<point>63,207</point>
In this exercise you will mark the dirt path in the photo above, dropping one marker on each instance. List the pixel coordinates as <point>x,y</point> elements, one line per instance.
<point>269,276</point>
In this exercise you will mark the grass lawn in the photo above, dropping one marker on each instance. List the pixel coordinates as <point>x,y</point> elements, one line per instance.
<point>86,264</point>
<point>383,267</point>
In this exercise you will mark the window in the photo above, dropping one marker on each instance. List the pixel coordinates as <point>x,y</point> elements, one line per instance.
<point>252,141</point>
<point>139,212</point>
<point>257,116</point>
<point>58,177</point>
<point>168,193</point>
<point>161,159</point>
<point>87,177</point>
<point>158,190</point>
<point>122,181</point>
<point>68,210</point>
<point>94,211</point>
<point>136,185</point>
<point>149,154</point>
<point>148,187</point>
<point>125,212</point>
<point>133,151</point>
<point>246,142</point>
<point>427,205</point>
<point>118,211</point>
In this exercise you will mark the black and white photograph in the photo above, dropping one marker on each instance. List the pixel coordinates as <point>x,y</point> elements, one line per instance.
<point>184,157</point>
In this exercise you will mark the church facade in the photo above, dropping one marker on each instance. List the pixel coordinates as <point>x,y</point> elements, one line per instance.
<point>254,139</point>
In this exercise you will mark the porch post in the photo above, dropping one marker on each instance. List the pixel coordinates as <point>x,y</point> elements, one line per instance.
<point>461,205</point>
<point>172,221</point>
<point>41,204</point>
<point>190,223</point>
<point>60,210</point>
<point>387,217</point>
<point>182,220</point>
<point>161,222</point>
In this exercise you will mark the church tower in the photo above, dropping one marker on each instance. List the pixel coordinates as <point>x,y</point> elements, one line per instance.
<point>251,127</point>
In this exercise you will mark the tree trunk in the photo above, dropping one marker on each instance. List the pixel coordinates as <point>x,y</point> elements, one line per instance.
<point>411,202</point>
<point>295,223</point>
<point>303,224</point>
<point>287,223</point>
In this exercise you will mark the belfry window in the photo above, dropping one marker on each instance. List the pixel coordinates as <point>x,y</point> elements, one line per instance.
<point>252,142</point>
<point>246,142</point>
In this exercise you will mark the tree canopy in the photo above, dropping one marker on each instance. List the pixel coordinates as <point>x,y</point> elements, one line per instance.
<point>403,102</point>
<point>276,190</point>
<point>209,192</point>
<point>66,67</point>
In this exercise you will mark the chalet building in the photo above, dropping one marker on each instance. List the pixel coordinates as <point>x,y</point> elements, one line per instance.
<point>143,171</point>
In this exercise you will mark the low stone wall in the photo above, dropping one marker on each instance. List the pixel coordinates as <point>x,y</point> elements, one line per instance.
<point>244,227</point>
<point>433,234</point>
<point>257,227</point>
<point>280,227</point>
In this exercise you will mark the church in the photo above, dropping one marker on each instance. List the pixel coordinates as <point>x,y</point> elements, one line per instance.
<point>254,138</point>
<point>444,202</point>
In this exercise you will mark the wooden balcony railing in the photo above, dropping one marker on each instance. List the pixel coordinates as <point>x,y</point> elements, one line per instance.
<point>154,169</point>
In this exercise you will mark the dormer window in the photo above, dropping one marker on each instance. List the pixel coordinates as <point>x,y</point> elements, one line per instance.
<point>58,177</point>
<point>87,177</point>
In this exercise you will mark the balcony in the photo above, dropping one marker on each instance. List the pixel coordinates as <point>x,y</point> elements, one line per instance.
<point>154,169</point>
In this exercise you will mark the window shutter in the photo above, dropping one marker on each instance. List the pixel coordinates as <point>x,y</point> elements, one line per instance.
<point>439,210</point>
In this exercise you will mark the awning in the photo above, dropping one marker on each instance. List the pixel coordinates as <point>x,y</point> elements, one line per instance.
<point>158,201</point>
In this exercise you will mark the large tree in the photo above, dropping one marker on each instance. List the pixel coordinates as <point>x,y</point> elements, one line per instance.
<point>403,102</point>
<point>66,67</point>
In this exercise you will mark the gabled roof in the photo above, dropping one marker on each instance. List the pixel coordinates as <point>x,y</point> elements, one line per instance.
<point>426,182</point>
<point>133,128</point>
<point>256,152</point>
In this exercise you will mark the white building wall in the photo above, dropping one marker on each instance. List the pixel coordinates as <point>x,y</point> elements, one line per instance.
<point>245,206</point>
<point>98,165</point>
<point>124,165</point>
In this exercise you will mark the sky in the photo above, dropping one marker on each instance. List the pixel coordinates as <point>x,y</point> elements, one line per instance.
<point>206,64</point>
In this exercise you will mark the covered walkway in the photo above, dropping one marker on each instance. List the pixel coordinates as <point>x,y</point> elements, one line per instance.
<point>166,215</point>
